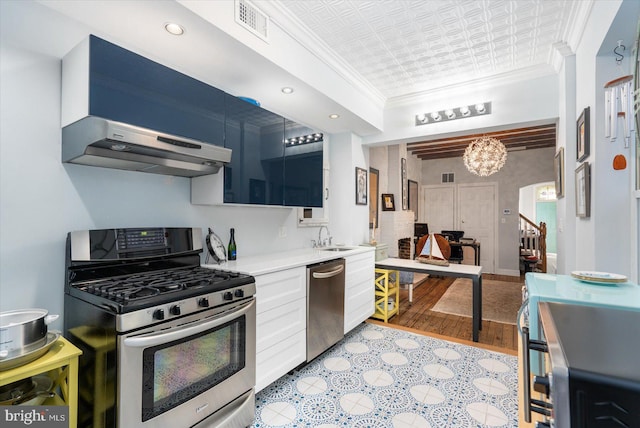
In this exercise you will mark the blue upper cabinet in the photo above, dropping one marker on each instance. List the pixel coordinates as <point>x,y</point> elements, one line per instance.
<point>275,160</point>
<point>303,164</point>
<point>105,80</point>
<point>255,135</point>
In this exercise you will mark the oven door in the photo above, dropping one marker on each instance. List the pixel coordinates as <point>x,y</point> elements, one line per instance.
<point>182,371</point>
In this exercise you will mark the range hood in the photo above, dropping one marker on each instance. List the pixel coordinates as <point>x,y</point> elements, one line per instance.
<point>101,142</point>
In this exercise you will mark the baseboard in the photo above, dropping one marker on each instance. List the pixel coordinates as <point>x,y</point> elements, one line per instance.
<point>509,272</point>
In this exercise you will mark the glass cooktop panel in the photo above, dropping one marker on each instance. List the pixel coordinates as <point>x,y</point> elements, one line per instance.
<point>598,339</point>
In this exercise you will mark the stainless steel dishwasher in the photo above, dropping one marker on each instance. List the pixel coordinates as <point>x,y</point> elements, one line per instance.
<point>325,306</point>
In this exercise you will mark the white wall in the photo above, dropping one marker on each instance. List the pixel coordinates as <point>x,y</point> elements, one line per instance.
<point>43,199</point>
<point>527,201</point>
<point>603,241</point>
<point>349,223</point>
<point>527,101</point>
<point>566,136</point>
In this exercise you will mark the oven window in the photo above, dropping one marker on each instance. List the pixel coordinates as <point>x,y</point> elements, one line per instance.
<point>177,371</point>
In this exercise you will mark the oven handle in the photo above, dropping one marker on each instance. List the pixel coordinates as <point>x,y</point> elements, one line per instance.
<point>153,339</point>
<point>523,334</point>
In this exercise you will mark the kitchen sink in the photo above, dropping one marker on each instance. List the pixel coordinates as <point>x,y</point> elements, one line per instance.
<point>336,249</point>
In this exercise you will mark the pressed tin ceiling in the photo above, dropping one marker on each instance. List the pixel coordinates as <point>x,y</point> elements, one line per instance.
<point>389,52</point>
<point>407,47</point>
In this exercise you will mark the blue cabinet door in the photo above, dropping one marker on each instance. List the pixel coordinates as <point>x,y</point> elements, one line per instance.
<point>303,162</point>
<point>127,87</point>
<point>255,135</point>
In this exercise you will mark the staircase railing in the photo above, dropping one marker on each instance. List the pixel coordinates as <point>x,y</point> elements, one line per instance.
<point>533,241</point>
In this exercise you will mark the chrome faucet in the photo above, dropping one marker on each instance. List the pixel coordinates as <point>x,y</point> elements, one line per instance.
<point>327,241</point>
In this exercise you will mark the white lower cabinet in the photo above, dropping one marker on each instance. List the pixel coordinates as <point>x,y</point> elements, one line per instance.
<point>278,360</point>
<point>281,314</point>
<point>281,317</point>
<point>359,299</point>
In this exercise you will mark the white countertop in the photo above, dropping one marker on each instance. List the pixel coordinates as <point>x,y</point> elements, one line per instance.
<point>273,262</point>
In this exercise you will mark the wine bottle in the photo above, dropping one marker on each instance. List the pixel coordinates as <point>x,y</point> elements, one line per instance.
<point>231,250</point>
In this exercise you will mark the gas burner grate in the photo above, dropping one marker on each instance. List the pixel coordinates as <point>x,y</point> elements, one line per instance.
<point>134,288</point>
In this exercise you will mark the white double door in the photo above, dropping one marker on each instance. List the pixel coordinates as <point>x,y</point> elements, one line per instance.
<point>468,207</point>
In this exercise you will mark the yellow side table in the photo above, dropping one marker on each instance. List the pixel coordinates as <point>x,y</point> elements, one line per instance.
<point>387,283</point>
<point>61,364</point>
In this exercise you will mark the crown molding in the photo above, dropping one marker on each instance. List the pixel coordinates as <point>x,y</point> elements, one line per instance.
<point>301,33</point>
<point>578,19</point>
<point>514,76</point>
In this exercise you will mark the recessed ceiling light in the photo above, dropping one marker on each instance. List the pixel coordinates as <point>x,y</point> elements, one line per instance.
<point>334,116</point>
<point>173,28</point>
<point>287,90</point>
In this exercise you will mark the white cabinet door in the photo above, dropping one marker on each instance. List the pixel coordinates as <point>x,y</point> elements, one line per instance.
<point>281,320</point>
<point>359,289</point>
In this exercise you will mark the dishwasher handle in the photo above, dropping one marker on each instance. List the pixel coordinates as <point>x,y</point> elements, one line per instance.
<point>330,274</point>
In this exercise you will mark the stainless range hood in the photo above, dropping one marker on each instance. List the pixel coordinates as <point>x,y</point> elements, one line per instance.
<point>100,142</point>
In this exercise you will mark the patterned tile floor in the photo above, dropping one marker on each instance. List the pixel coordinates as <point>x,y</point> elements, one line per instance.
<point>384,377</point>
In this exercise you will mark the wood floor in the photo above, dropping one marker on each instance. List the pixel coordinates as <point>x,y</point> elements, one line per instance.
<point>419,316</point>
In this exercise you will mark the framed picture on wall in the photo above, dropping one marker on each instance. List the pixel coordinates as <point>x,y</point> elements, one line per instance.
<point>582,136</point>
<point>583,191</point>
<point>558,166</point>
<point>388,204</point>
<point>375,193</point>
<point>413,198</point>
<point>361,186</point>
<point>405,191</point>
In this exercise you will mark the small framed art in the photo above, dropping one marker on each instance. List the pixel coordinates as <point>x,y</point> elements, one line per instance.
<point>361,186</point>
<point>582,136</point>
<point>388,203</point>
<point>558,166</point>
<point>374,192</point>
<point>583,191</point>
<point>405,190</point>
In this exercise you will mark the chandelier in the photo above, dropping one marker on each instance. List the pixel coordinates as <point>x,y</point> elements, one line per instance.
<point>485,156</point>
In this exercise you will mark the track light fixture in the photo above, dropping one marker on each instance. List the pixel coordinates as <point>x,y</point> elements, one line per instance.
<point>462,112</point>
<point>303,139</point>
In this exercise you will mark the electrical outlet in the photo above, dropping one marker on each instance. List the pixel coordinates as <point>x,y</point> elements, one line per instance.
<point>282,232</point>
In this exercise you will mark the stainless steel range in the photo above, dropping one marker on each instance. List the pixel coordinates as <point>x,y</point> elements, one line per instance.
<point>165,342</point>
<point>592,377</point>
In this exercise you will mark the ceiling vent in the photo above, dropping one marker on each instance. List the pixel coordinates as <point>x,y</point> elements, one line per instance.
<point>252,18</point>
<point>447,177</point>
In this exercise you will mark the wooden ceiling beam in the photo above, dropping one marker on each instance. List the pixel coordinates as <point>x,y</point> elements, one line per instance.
<point>529,138</point>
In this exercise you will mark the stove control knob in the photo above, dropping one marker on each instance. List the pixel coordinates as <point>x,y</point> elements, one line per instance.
<point>227,296</point>
<point>204,302</point>
<point>239,293</point>
<point>158,314</point>
<point>174,310</point>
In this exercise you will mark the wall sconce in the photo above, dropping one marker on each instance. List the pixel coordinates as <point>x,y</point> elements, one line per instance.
<point>303,139</point>
<point>454,113</point>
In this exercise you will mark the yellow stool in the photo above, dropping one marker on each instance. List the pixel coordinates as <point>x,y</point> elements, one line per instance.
<point>387,284</point>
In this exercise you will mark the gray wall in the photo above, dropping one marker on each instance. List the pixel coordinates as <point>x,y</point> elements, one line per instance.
<point>521,169</point>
